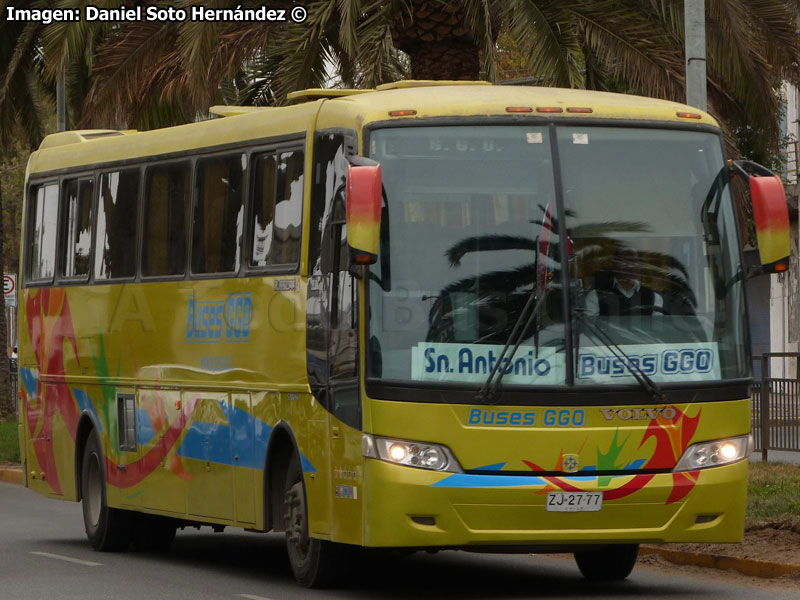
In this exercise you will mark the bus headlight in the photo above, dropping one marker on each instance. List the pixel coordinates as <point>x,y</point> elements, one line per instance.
<point>715,454</point>
<point>411,454</point>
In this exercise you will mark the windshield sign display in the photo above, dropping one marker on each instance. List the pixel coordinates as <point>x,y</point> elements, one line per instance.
<point>697,361</point>
<point>472,363</point>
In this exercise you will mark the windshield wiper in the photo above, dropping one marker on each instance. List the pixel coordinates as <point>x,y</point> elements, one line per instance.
<point>526,317</point>
<point>634,369</point>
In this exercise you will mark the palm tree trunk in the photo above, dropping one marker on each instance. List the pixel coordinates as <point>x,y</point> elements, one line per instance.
<point>6,401</point>
<point>437,41</point>
<point>446,59</point>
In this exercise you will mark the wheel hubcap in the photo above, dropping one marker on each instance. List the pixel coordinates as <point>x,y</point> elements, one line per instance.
<point>296,526</point>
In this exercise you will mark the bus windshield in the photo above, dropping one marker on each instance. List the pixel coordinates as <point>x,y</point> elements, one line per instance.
<point>649,272</point>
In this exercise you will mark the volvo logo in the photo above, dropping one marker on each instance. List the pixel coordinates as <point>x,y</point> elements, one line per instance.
<point>639,414</point>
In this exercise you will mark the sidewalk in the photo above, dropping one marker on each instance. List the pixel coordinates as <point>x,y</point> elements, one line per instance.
<point>11,474</point>
<point>746,566</point>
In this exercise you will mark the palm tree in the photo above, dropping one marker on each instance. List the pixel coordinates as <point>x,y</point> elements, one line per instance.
<point>151,73</point>
<point>22,115</point>
<point>146,74</point>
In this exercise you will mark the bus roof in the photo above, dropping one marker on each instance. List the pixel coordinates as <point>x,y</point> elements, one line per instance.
<point>462,99</point>
<point>352,109</point>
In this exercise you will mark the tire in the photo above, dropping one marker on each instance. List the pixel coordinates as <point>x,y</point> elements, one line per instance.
<point>609,563</point>
<point>153,533</point>
<point>315,563</point>
<point>108,529</point>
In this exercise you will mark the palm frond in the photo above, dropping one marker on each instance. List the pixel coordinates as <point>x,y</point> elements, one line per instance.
<point>134,66</point>
<point>547,33</point>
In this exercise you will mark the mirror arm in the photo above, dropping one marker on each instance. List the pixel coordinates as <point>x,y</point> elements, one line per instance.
<point>357,271</point>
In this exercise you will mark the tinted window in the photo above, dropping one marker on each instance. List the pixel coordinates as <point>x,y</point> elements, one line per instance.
<point>655,255</point>
<point>277,209</point>
<point>77,234</point>
<point>288,209</point>
<point>469,250</point>
<point>166,220</point>
<point>218,216</point>
<point>44,222</point>
<point>116,225</point>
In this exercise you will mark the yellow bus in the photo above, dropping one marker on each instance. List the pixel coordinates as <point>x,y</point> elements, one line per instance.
<point>433,315</point>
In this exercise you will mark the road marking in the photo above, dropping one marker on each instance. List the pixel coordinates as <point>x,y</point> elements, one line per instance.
<point>251,597</point>
<point>88,563</point>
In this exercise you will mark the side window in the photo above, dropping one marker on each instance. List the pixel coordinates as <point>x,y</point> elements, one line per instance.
<point>218,215</point>
<point>42,231</point>
<point>263,209</point>
<point>76,238</point>
<point>288,209</point>
<point>276,218</point>
<point>166,222</point>
<point>115,238</point>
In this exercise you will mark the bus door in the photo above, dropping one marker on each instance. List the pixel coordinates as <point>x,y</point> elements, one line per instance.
<point>333,356</point>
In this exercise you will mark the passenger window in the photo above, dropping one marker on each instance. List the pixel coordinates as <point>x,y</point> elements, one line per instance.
<point>263,209</point>
<point>42,231</point>
<point>288,209</point>
<point>76,239</point>
<point>218,216</point>
<point>166,224</point>
<point>117,212</point>
<point>277,209</point>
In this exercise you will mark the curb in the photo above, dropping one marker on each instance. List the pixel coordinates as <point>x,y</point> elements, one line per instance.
<point>746,566</point>
<point>11,475</point>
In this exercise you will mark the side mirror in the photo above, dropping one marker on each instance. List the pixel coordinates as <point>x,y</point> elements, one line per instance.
<point>364,194</point>
<point>770,213</point>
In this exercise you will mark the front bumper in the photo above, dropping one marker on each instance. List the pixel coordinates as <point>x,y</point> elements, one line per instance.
<point>409,507</point>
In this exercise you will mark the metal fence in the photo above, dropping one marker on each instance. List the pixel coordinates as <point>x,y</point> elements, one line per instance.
<point>790,166</point>
<point>776,403</point>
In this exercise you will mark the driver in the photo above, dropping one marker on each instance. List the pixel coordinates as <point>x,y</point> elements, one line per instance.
<point>619,291</point>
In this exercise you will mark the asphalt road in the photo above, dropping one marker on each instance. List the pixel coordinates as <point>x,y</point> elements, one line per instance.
<point>44,555</point>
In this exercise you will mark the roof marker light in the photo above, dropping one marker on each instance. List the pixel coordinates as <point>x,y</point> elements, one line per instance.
<point>688,115</point>
<point>549,109</point>
<point>579,109</point>
<point>402,113</point>
<point>519,109</point>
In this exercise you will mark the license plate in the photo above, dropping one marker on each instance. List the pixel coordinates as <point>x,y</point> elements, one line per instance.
<point>574,501</point>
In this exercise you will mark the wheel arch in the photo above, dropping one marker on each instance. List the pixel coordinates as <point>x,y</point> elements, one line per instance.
<point>281,446</point>
<point>86,424</point>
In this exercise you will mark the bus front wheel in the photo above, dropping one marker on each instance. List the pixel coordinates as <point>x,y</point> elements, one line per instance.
<point>315,563</point>
<point>610,563</point>
<point>108,529</point>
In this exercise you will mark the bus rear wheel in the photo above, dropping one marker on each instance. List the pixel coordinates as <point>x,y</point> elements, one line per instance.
<point>609,563</point>
<point>315,563</point>
<point>108,529</point>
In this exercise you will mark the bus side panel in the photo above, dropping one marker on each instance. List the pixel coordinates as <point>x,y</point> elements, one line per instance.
<point>248,463</point>
<point>127,458</point>
<point>348,483</point>
<point>306,420</point>
<point>51,407</point>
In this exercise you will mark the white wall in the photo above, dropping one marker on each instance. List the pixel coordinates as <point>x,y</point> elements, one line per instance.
<point>780,287</point>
